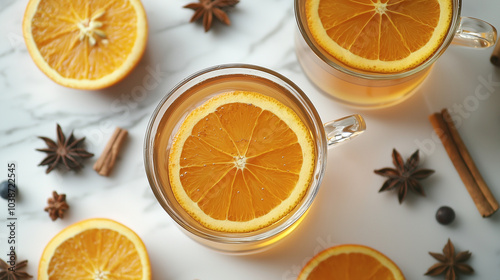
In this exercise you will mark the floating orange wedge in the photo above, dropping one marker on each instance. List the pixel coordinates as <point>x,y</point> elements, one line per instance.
<point>379,35</point>
<point>240,162</point>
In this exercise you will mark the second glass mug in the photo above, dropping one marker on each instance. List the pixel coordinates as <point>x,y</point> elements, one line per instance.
<point>374,90</point>
<point>195,90</point>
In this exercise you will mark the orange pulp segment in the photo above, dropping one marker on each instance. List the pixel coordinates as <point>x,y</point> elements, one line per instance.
<point>350,262</point>
<point>85,44</point>
<point>384,36</point>
<point>240,162</point>
<point>95,249</point>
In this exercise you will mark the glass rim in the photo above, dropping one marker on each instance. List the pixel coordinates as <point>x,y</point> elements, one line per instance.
<point>248,237</point>
<point>455,24</point>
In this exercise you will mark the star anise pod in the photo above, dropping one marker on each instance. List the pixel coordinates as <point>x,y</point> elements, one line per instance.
<point>210,8</point>
<point>12,273</point>
<point>67,152</point>
<point>449,263</point>
<point>405,176</point>
<point>57,206</point>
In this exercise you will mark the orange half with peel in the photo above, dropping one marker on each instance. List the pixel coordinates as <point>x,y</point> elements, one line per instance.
<point>85,44</point>
<point>383,36</point>
<point>95,249</point>
<point>350,262</point>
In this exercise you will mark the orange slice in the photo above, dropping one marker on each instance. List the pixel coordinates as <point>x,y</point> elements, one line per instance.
<point>240,162</point>
<point>95,249</point>
<point>85,44</point>
<point>350,262</point>
<point>379,35</point>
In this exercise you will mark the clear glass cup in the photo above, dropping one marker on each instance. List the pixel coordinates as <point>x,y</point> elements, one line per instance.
<point>194,91</point>
<point>364,89</point>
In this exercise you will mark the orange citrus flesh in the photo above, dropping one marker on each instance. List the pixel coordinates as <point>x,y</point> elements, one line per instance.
<point>95,249</point>
<point>350,262</point>
<point>379,35</point>
<point>240,162</point>
<point>85,44</point>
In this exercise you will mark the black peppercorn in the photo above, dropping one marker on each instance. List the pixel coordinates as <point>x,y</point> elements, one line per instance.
<point>445,215</point>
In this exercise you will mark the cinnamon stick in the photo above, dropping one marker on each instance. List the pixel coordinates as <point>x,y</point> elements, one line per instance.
<point>107,160</point>
<point>495,56</point>
<point>485,202</point>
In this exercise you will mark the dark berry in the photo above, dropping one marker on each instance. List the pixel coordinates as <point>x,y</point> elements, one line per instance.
<point>4,189</point>
<point>445,215</point>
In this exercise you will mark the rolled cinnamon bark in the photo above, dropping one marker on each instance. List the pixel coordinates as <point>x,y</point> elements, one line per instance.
<point>459,155</point>
<point>107,160</point>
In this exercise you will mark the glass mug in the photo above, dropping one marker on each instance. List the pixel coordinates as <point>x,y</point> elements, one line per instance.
<point>363,89</point>
<point>194,91</point>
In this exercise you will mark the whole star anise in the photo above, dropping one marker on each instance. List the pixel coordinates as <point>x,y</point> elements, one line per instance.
<point>449,263</point>
<point>405,176</point>
<point>12,273</point>
<point>210,8</point>
<point>57,206</point>
<point>67,152</point>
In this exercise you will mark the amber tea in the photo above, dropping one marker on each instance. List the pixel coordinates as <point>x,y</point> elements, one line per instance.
<point>235,154</point>
<point>376,53</point>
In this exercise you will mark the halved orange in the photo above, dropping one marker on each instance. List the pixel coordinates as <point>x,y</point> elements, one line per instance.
<point>379,35</point>
<point>240,162</point>
<point>95,249</point>
<point>350,262</point>
<point>88,44</point>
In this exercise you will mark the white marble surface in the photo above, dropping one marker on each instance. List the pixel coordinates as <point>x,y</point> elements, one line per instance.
<point>348,208</point>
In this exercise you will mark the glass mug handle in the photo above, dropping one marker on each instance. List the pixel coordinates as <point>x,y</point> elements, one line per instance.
<point>475,33</point>
<point>345,128</point>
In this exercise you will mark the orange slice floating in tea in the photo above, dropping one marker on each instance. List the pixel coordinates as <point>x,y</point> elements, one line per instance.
<point>240,162</point>
<point>350,262</point>
<point>95,249</point>
<point>85,44</point>
<point>379,35</point>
